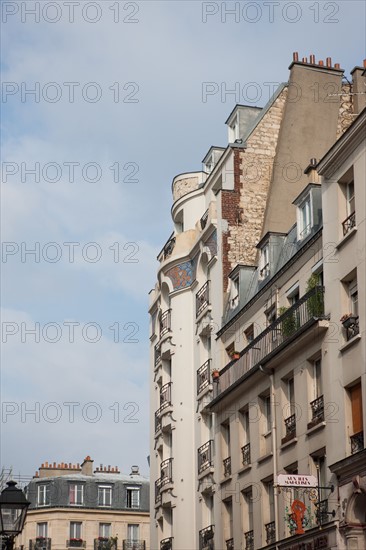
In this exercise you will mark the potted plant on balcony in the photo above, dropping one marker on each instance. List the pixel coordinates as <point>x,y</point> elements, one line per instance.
<point>348,319</point>
<point>289,323</point>
<point>235,355</point>
<point>215,375</point>
<point>315,302</point>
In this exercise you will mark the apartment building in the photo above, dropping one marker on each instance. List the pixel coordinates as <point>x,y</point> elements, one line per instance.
<point>244,265</point>
<point>77,506</point>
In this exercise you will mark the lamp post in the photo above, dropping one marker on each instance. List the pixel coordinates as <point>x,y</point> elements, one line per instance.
<point>13,510</point>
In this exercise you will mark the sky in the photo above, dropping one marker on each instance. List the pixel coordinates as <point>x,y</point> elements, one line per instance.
<point>102,104</point>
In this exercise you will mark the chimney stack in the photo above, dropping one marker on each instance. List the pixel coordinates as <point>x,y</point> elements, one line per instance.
<point>87,466</point>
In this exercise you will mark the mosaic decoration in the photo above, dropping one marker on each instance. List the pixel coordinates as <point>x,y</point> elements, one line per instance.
<point>183,275</point>
<point>211,243</point>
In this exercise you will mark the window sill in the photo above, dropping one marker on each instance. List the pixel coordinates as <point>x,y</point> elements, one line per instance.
<point>350,343</point>
<point>288,443</point>
<point>244,469</point>
<point>315,428</point>
<point>350,233</point>
<point>264,457</point>
<point>226,479</point>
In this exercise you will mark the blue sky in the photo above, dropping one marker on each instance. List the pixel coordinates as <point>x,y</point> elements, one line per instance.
<point>137,77</point>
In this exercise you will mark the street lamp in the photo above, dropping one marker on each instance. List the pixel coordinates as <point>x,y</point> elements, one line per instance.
<point>13,510</point>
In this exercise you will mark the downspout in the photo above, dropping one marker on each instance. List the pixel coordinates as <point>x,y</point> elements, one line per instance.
<point>269,373</point>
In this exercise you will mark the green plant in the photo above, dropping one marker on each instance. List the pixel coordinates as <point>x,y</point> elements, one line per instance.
<point>290,323</point>
<point>315,302</point>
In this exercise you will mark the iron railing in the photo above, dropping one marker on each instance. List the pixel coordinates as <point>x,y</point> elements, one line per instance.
<point>157,354</point>
<point>229,544</point>
<point>40,543</point>
<point>317,409</point>
<point>206,538</point>
<point>321,512</point>
<point>203,376</point>
<point>205,456</point>
<point>134,545</point>
<point>227,466</point>
<point>249,540</point>
<point>203,220</point>
<point>275,336</point>
<point>352,328</point>
<point>75,543</point>
<point>157,491</point>
<point>169,247</point>
<point>105,543</point>
<point>165,401</point>
<point>158,423</point>
<point>357,442</point>
<point>270,529</point>
<point>165,323</point>
<point>245,451</point>
<point>290,424</point>
<point>166,475</point>
<point>349,223</point>
<point>202,298</point>
<point>166,544</point>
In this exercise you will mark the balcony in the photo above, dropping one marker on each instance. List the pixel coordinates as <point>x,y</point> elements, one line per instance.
<point>157,492</point>
<point>290,424</point>
<point>317,410</point>
<point>202,299</point>
<point>203,220</point>
<point>245,452</point>
<point>227,466</point>
<point>75,543</point>
<point>105,543</point>
<point>303,314</point>
<point>157,355</point>
<point>169,247</point>
<point>349,223</point>
<point>229,544</point>
<point>40,543</point>
<point>270,529</point>
<point>166,544</point>
<point>165,325</point>
<point>165,402</point>
<point>357,442</point>
<point>134,545</point>
<point>206,538</point>
<point>249,540</point>
<point>166,478</point>
<point>352,327</point>
<point>203,376</point>
<point>321,512</point>
<point>205,456</point>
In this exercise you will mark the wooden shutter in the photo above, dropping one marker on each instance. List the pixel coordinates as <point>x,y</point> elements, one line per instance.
<point>356,403</point>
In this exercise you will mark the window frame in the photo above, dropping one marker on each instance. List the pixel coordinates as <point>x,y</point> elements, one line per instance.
<point>46,495</point>
<point>78,489</point>
<point>130,490</point>
<point>105,490</point>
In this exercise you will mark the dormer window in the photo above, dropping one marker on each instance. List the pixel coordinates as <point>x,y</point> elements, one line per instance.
<point>210,164</point>
<point>309,214</point>
<point>264,262</point>
<point>234,130</point>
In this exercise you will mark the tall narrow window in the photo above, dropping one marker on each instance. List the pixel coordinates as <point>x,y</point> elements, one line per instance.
<point>133,532</point>
<point>317,377</point>
<point>43,495</point>
<point>350,195</point>
<point>305,219</point>
<point>75,529</point>
<point>357,437</point>
<point>42,529</point>
<point>353,296</point>
<point>76,494</point>
<point>105,530</point>
<point>104,495</point>
<point>133,497</point>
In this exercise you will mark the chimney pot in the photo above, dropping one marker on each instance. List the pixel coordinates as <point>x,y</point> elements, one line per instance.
<point>329,61</point>
<point>46,464</point>
<point>312,59</point>
<point>304,59</point>
<point>78,465</point>
<point>337,66</point>
<point>295,56</point>
<point>313,161</point>
<point>364,63</point>
<point>321,63</point>
<point>54,464</point>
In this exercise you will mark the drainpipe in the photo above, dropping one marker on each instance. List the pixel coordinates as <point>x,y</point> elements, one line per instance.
<point>269,373</point>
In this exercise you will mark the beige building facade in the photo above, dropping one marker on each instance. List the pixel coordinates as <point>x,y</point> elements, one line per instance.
<point>246,264</point>
<point>77,506</point>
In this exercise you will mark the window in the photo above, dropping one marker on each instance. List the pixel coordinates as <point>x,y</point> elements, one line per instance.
<point>249,334</point>
<point>291,395</point>
<point>234,130</point>
<point>267,413</point>
<point>248,510</point>
<point>353,297</point>
<point>43,495</point>
<point>133,497</point>
<point>350,196</point>
<point>133,532</point>
<point>42,530</point>
<point>75,529</point>
<point>317,378</point>
<point>76,494</point>
<point>305,218</point>
<point>264,262</point>
<point>348,205</point>
<point>357,439</point>
<point>104,495</point>
<point>105,530</point>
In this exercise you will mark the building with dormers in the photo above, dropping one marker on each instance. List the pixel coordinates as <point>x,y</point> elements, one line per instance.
<point>247,345</point>
<point>77,506</point>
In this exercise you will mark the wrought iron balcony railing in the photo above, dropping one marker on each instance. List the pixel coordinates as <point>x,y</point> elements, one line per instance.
<point>75,543</point>
<point>157,491</point>
<point>352,328</point>
<point>227,466</point>
<point>166,544</point>
<point>203,220</point>
<point>349,223</point>
<point>298,317</point>
<point>245,451</point>
<point>229,544</point>
<point>158,423</point>
<point>165,401</point>
<point>321,512</point>
<point>166,475</point>
<point>270,529</point>
<point>205,456</point>
<point>249,540</point>
<point>357,442</point>
<point>169,247</point>
<point>203,376</point>
<point>317,410</point>
<point>134,545</point>
<point>157,354</point>
<point>40,543</point>
<point>206,538</point>
<point>290,424</point>
<point>165,323</point>
<point>202,298</point>
<point>105,543</point>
